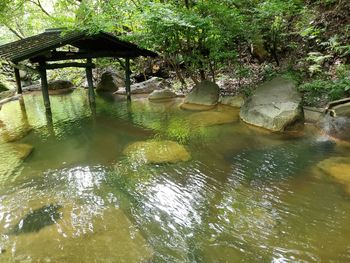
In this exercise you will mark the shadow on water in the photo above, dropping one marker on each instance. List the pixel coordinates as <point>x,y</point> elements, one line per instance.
<point>37,219</point>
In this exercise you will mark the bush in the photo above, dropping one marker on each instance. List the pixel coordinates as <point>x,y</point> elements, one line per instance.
<point>319,92</point>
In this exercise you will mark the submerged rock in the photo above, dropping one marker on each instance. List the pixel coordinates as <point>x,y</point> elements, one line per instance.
<point>275,105</point>
<point>204,95</point>
<point>162,95</point>
<point>37,219</point>
<point>338,168</point>
<point>7,136</point>
<point>110,82</point>
<point>209,118</point>
<point>21,150</point>
<point>157,152</point>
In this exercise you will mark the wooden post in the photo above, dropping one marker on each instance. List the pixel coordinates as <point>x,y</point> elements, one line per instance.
<point>127,78</point>
<point>18,81</point>
<point>44,86</point>
<point>90,82</point>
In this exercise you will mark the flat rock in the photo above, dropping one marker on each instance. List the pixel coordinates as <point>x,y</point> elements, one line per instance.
<point>210,118</point>
<point>233,101</point>
<point>157,152</point>
<point>163,94</point>
<point>205,93</point>
<point>275,105</point>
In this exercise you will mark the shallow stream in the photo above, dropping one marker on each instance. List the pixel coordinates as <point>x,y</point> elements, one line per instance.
<point>245,195</point>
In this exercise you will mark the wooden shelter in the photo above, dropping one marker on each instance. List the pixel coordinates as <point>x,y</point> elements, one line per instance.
<point>43,51</point>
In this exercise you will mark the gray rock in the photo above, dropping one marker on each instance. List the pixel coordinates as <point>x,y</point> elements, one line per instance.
<point>275,105</point>
<point>145,87</point>
<point>110,81</point>
<point>162,94</point>
<point>205,93</point>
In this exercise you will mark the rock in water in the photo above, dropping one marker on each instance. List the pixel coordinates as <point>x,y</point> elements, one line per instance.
<point>60,84</point>
<point>157,152</point>
<point>203,96</point>
<point>37,219</point>
<point>275,105</point>
<point>110,81</point>
<point>233,101</point>
<point>21,150</point>
<point>145,87</point>
<point>163,94</point>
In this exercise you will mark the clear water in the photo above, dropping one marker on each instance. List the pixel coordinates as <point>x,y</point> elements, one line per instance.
<point>245,196</point>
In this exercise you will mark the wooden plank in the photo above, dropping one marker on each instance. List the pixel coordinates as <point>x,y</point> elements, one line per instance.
<point>44,86</point>
<point>18,81</point>
<point>70,64</point>
<point>90,82</point>
<point>127,78</point>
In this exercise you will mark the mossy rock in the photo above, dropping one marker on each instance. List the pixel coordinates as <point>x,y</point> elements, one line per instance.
<point>210,118</point>
<point>196,107</point>
<point>157,152</point>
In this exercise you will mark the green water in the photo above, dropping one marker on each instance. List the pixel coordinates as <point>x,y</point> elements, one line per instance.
<point>245,195</point>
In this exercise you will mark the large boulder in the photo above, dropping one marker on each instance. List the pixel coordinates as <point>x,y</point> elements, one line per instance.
<point>163,94</point>
<point>145,87</point>
<point>275,105</point>
<point>110,82</point>
<point>203,96</point>
<point>157,152</point>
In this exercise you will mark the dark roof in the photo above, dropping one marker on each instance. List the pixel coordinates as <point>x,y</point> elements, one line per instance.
<point>51,39</point>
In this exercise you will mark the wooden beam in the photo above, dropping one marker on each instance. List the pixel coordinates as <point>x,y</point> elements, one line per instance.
<point>127,78</point>
<point>90,82</point>
<point>44,86</point>
<point>18,81</point>
<point>70,64</point>
<point>61,55</point>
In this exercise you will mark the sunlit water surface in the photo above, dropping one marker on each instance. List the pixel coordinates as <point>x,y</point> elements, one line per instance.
<point>245,195</point>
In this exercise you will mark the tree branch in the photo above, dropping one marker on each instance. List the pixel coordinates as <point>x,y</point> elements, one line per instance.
<point>38,4</point>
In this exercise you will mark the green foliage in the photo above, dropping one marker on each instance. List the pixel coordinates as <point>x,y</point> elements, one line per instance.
<point>318,92</point>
